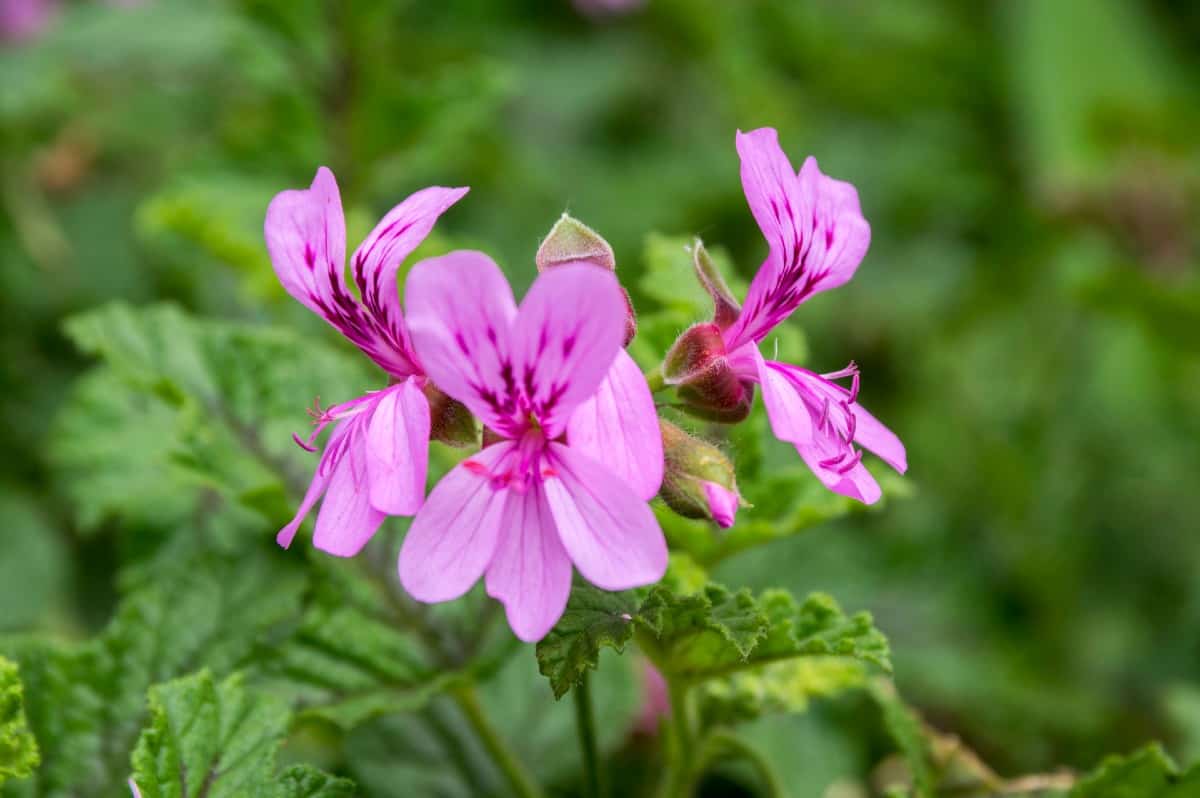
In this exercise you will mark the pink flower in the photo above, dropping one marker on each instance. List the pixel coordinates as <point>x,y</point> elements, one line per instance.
<point>22,20</point>
<point>531,504</point>
<point>817,237</point>
<point>133,788</point>
<point>375,461</point>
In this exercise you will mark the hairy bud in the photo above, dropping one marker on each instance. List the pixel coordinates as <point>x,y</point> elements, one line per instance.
<point>704,378</point>
<point>698,480</point>
<point>449,419</point>
<point>572,241</point>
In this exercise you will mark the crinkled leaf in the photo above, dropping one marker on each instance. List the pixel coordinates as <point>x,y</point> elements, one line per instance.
<point>1147,773</point>
<point>219,740</point>
<point>18,749</point>
<point>716,633</point>
<point>350,658</point>
<point>198,405</point>
<point>594,619</point>
<point>85,702</point>
<point>786,686</point>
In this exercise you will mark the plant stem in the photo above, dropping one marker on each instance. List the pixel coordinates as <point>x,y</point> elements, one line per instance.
<point>585,727</point>
<point>519,780</point>
<point>654,378</point>
<point>766,773</point>
<point>680,778</point>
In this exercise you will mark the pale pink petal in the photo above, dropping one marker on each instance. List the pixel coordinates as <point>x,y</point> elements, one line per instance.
<point>330,458</point>
<point>306,238</point>
<point>656,700</point>
<point>460,310</point>
<point>611,534</point>
<point>23,20</point>
<point>398,449</point>
<point>568,331</point>
<point>346,520</point>
<point>814,228</point>
<point>377,260</point>
<point>857,482</point>
<point>722,503</point>
<point>618,428</point>
<point>133,788</point>
<point>873,436</point>
<point>453,537</point>
<point>790,417</point>
<point>530,571</point>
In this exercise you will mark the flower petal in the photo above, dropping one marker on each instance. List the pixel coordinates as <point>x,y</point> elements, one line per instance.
<point>330,457</point>
<point>611,535</point>
<point>790,417</point>
<point>873,436</point>
<point>722,503</point>
<point>857,483</point>
<point>453,537</point>
<point>530,571</point>
<point>377,260</point>
<point>398,449</point>
<point>306,238</point>
<point>814,228</point>
<point>347,520</point>
<point>460,309</point>
<point>618,428</point>
<point>566,336</point>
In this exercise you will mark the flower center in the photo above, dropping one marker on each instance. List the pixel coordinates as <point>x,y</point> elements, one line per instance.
<point>836,423</point>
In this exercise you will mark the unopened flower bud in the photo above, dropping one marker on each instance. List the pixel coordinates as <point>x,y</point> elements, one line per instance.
<point>699,480</point>
<point>705,380</point>
<point>725,308</point>
<point>572,241</point>
<point>450,421</point>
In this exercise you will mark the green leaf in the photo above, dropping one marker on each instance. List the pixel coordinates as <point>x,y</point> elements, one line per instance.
<point>717,633</point>
<point>703,634</point>
<point>218,740</point>
<point>1146,773</point>
<point>781,687</point>
<point>183,408</point>
<point>594,619</point>
<point>85,702</point>
<point>18,749</point>
<point>353,655</point>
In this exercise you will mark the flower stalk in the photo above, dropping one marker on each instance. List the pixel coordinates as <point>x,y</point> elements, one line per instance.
<point>518,778</point>
<point>585,727</point>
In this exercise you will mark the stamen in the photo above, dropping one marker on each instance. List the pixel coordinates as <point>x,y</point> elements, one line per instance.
<point>300,442</point>
<point>855,460</point>
<point>851,370</point>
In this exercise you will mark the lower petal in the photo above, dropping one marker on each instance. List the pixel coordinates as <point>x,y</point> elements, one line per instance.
<point>870,434</point>
<point>530,571</point>
<point>609,532</point>
<point>787,411</point>
<point>856,483</point>
<point>347,520</point>
<point>453,537</point>
<point>330,458</point>
<point>398,449</point>
<point>618,428</point>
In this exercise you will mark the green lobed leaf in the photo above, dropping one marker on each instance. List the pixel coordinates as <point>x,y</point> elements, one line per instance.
<point>594,619</point>
<point>220,401</point>
<point>219,740</point>
<point>716,633</point>
<point>18,749</point>
<point>85,702</point>
<point>353,656</point>
<point>1146,773</point>
<point>781,687</point>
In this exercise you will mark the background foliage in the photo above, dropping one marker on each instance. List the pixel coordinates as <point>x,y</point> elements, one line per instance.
<point>1026,320</point>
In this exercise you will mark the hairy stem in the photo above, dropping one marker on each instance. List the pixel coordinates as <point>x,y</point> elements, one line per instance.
<point>585,727</point>
<point>518,777</point>
<point>680,777</point>
<point>654,378</point>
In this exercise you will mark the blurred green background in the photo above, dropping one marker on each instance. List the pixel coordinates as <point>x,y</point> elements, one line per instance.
<point>1027,318</point>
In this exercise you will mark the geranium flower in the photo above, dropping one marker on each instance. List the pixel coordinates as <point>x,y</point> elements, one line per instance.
<point>375,462</point>
<point>530,505</point>
<point>817,237</point>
